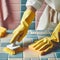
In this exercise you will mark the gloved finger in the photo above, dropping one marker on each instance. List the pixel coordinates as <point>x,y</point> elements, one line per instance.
<point>19,28</point>
<point>50,47</point>
<point>36,43</point>
<point>39,45</point>
<point>15,36</point>
<point>16,29</point>
<point>22,36</point>
<point>44,46</point>
<point>47,50</point>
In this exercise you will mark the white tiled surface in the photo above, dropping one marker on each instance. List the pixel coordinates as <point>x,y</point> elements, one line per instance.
<point>29,54</point>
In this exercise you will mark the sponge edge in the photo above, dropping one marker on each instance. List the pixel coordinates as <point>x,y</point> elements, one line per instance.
<point>2,31</point>
<point>13,52</point>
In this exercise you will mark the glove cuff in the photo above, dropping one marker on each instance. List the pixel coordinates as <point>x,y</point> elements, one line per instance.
<point>34,3</point>
<point>56,33</point>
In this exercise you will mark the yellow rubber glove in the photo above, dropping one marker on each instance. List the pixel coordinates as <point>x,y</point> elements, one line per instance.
<point>46,44</point>
<point>22,29</point>
<point>56,34</point>
<point>2,31</point>
<point>42,46</point>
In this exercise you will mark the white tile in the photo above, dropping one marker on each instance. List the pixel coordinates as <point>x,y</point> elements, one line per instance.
<point>57,58</point>
<point>15,59</point>
<point>49,55</point>
<point>26,58</point>
<point>6,38</point>
<point>51,58</point>
<point>1,50</point>
<point>27,40</point>
<point>29,54</point>
<point>35,58</point>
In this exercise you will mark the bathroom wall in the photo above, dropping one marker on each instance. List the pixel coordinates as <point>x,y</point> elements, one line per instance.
<point>13,19</point>
<point>16,9</point>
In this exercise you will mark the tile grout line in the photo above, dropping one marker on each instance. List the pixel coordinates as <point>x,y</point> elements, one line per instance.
<point>56,56</point>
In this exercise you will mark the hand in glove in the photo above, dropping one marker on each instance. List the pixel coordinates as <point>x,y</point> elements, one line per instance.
<point>22,29</point>
<point>42,46</point>
<point>46,44</point>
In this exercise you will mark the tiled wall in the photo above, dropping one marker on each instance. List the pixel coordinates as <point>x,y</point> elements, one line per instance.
<point>13,19</point>
<point>16,10</point>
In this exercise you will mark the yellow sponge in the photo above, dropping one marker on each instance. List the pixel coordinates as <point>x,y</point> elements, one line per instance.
<point>13,52</point>
<point>2,31</point>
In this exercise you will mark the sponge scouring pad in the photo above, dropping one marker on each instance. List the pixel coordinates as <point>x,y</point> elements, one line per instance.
<point>13,52</point>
